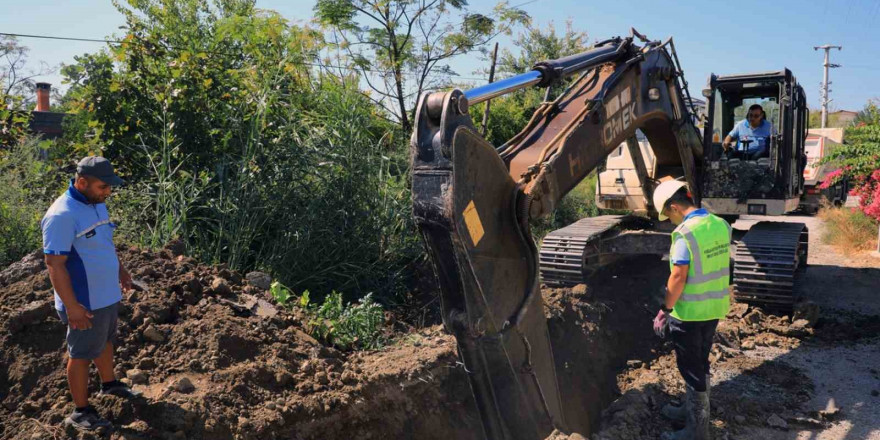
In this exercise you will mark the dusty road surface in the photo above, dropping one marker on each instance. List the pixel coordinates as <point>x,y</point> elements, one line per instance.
<point>845,373</point>
<point>779,378</point>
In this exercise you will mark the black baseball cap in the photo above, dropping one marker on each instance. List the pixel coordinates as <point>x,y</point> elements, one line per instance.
<point>100,168</point>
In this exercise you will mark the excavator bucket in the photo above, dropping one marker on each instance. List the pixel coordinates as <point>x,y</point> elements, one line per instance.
<point>466,206</point>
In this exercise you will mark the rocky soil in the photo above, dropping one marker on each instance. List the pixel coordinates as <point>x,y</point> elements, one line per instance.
<point>216,360</point>
<point>812,376</point>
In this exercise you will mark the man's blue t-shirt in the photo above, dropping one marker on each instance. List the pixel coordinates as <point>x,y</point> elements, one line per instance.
<point>759,136</point>
<point>680,253</point>
<point>81,230</point>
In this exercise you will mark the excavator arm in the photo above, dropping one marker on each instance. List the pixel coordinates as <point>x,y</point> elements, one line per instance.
<point>473,202</point>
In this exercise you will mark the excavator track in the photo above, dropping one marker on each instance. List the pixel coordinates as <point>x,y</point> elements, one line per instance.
<point>564,251</point>
<point>766,264</point>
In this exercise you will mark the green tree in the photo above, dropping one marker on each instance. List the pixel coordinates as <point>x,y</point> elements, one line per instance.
<point>869,115</point>
<point>232,140</point>
<point>402,48</point>
<point>509,114</point>
<point>536,44</point>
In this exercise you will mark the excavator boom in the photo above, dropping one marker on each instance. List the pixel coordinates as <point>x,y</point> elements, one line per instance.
<point>473,202</point>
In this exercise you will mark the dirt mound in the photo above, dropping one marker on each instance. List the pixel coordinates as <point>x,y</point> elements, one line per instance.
<point>215,360</point>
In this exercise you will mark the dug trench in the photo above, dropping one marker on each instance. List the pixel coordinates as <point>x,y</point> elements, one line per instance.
<point>215,360</point>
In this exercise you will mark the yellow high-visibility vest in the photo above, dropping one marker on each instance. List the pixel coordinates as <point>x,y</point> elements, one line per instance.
<point>706,293</point>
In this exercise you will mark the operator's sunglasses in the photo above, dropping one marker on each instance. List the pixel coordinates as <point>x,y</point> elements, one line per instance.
<point>755,115</point>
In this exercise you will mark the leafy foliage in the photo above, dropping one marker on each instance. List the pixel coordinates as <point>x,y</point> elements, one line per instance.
<point>870,115</point>
<point>509,114</point>
<point>30,184</point>
<point>345,325</point>
<point>280,293</point>
<point>13,123</point>
<point>577,204</point>
<point>232,141</point>
<point>858,160</point>
<point>402,48</point>
<point>537,44</point>
<point>348,326</point>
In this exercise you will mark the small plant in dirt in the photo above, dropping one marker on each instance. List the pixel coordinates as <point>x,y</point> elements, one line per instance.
<point>281,294</point>
<point>347,326</point>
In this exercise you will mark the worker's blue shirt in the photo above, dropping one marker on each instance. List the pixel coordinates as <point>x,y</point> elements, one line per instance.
<point>759,136</point>
<point>680,253</point>
<point>81,230</point>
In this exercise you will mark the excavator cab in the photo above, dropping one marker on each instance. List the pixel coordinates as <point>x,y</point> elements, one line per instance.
<point>768,182</point>
<point>768,258</point>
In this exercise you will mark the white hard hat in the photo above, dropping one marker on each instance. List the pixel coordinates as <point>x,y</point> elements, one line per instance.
<point>664,192</point>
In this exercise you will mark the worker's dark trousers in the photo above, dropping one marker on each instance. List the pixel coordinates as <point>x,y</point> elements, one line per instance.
<point>693,342</point>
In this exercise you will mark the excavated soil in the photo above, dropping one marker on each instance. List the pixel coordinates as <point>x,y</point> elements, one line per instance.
<point>215,360</point>
<point>254,371</point>
<point>811,376</point>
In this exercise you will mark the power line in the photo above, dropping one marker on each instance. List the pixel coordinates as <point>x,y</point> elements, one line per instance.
<point>108,41</point>
<point>49,37</point>
<point>302,63</point>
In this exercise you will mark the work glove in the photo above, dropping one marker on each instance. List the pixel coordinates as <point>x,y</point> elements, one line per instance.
<point>661,323</point>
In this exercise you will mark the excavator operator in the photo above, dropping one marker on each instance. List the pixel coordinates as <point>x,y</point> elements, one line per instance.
<point>697,296</point>
<point>752,133</point>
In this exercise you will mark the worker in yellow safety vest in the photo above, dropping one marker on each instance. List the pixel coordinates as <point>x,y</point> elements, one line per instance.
<point>697,296</point>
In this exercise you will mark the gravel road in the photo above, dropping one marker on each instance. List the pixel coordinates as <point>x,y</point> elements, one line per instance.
<point>846,287</point>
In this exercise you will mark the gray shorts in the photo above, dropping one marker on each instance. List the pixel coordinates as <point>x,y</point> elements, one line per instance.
<point>88,344</point>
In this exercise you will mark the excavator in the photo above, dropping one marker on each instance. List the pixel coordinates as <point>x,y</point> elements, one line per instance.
<point>472,202</point>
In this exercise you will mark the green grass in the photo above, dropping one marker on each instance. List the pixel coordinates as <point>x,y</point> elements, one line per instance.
<point>849,229</point>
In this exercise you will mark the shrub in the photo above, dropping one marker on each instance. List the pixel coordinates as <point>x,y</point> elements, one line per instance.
<point>232,142</point>
<point>30,183</point>
<point>346,325</point>
<point>859,162</point>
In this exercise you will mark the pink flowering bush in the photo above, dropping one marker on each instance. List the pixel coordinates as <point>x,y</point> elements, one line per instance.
<point>869,195</point>
<point>859,162</point>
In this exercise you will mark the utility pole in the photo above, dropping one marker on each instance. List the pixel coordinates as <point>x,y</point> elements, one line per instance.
<point>824,91</point>
<point>485,124</point>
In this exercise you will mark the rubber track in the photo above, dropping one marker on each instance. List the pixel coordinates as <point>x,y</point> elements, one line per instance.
<point>766,263</point>
<point>562,251</point>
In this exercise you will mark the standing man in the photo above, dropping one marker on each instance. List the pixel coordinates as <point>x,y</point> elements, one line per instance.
<point>753,133</point>
<point>87,276</point>
<point>697,296</point>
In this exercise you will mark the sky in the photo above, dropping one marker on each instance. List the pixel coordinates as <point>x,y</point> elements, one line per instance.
<point>710,36</point>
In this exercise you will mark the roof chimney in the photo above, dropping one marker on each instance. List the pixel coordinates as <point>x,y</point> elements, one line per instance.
<point>43,90</point>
